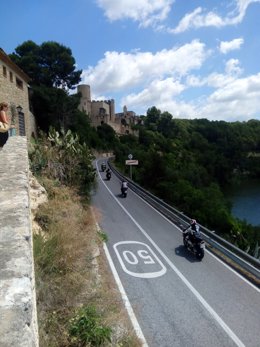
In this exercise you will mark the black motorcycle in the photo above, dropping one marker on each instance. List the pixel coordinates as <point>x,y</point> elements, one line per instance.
<point>124,191</point>
<point>103,167</point>
<point>195,244</point>
<point>108,175</point>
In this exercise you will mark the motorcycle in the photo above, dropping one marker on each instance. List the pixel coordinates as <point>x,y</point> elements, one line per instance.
<point>124,191</point>
<point>195,244</point>
<point>108,175</point>
<point>103,167</point>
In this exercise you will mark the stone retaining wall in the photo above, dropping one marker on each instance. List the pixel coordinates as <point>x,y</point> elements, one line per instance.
<point>18,315</point>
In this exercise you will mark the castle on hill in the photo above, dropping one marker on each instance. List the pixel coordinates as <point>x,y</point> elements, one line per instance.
<point>103,111</point>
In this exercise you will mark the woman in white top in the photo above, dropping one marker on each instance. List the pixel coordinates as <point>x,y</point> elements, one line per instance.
<point>4,119</point>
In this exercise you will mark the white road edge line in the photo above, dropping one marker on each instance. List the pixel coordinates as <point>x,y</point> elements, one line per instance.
<point>219,320</point>
<point>213,255</point>
<point>125,299</point>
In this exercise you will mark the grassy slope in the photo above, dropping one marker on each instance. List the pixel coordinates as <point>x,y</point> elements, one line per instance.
<point>72,272</point>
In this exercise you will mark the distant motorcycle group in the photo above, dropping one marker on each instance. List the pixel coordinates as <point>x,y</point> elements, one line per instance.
<point>124,185</point>
<point>191,235</point>
<point>108,171</point>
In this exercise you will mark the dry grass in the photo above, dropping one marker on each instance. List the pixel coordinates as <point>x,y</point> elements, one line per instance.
<point>72,271</point>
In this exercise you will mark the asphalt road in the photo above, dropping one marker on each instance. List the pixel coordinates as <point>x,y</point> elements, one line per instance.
<point>177,300</point>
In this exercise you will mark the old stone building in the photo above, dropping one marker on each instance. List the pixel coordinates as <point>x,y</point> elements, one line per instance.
<point>103,111</point>
<point>14,91</point>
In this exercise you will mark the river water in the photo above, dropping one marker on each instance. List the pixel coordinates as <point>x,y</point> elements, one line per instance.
<point>246,202</point>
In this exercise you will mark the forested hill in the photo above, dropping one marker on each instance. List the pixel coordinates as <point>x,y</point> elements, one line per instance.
<point>190,163</point>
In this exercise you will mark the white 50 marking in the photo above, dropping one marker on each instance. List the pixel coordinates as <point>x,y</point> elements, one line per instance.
<point>144,256</point>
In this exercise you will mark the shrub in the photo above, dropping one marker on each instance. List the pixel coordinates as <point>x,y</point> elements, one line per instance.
<point>86,328</point>
<point>61,156</point>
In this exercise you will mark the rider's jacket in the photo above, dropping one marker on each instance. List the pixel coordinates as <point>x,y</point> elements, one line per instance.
<point>124,185</point>
<point>193,230</point>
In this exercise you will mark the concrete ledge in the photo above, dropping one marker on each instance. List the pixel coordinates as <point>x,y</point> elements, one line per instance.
<point>18,323</point>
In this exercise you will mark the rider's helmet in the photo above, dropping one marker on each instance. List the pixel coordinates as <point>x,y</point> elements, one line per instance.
<point>194,225</point>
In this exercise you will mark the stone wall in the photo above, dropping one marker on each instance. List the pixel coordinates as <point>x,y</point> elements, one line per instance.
<point>18,327</point>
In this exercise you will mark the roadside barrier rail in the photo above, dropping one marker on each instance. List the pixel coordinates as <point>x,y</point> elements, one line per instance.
<point>241,258</point>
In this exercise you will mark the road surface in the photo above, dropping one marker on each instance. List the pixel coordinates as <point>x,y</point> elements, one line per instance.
<point>176,299</point>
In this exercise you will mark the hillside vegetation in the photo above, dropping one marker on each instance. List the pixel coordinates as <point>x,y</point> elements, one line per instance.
<point>77,300</point>
<point>191,163</point>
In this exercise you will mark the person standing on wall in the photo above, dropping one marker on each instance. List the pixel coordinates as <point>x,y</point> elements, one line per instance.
<point>4,119</point>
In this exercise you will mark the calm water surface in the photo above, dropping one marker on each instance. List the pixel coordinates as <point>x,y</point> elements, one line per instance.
<point>246,202</point>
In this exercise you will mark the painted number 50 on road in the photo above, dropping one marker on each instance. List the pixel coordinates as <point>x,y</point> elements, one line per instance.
<point>138,259</point>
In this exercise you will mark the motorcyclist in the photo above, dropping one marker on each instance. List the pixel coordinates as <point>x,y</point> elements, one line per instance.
<point>193,230</point>
<point>108,172</point>
<point>103,166</point>
<point>124,187</point>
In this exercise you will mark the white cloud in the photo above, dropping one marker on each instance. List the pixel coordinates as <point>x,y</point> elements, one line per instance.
<point>232,67</point>
<point>227,46</point>
<point>162,78</point>
<point>213,80</point>
<point>233,99</point>
<point>196,20</point>
<point>146,12</point>
<point>160,90</point>
<point>164,95</point>
<point>200,18</point>
<point>154,12</point>
<point>122,71</point>
<point>238,100</point>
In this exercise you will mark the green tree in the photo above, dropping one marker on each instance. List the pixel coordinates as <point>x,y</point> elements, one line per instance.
<point>107,136</point>
<point>50,64</point>
<point>51,68</point>
<point>54,107</point>
<point>165,125</point>
<point>152,117</point>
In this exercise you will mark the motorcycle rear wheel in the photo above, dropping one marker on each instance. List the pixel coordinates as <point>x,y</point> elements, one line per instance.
<point>200,254</point>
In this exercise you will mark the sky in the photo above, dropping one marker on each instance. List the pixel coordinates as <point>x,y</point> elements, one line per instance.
<point>192,58</point>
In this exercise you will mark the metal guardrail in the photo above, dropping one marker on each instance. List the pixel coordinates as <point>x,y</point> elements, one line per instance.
<point>241,258</point>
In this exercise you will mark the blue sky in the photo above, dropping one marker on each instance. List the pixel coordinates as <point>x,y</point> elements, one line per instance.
<point>192,58</point>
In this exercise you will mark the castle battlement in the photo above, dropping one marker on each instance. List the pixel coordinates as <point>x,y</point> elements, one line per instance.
<point>103,111</point>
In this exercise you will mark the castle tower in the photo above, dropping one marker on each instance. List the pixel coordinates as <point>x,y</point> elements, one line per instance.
<point>112,110</point>
<point>85,101</point>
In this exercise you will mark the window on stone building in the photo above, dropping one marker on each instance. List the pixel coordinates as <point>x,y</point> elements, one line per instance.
<point>102,111</point>
<point>11,76</point>
<point>4,71</point>
<point>19,83</point>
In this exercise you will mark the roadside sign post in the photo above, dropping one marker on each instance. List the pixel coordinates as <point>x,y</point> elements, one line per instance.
<point>131,162</point>
<point>130,156</point>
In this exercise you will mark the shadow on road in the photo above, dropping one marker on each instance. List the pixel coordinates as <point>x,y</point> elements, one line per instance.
<point>120,196</point>
<point>181,251</point>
